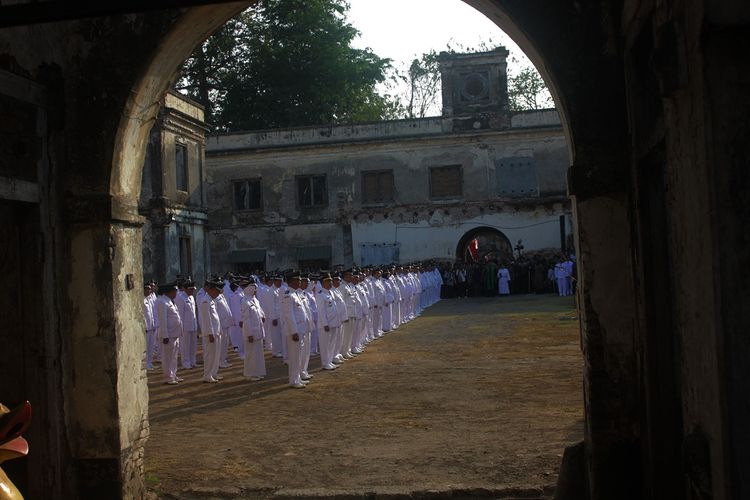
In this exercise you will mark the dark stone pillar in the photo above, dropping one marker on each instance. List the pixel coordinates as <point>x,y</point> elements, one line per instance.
<point>107,396</point>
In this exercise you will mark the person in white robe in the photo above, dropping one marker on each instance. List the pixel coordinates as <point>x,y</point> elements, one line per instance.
<point>253,332</point>
<point>503,280</point>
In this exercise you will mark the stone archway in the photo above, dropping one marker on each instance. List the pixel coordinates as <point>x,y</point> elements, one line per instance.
<point>110,77</point>
<point>565,44</point>
<point>631,82</point>
<point>491,244</point>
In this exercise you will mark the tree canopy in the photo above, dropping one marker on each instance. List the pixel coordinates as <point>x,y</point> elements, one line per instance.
<point>286,63</point>
<point>417,87</point>
<point>527,90</point>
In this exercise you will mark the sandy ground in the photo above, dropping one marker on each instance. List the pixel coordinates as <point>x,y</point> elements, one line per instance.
<point>479,394</point>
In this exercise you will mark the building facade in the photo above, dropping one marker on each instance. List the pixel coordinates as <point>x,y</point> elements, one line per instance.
<point>173,196</point>
<point>394,191</point>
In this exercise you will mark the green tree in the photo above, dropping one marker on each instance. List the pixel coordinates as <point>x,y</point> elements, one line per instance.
<point>418,87</point>
<point>423,89</point>
<point>286,63</point>
<point>527,91</point>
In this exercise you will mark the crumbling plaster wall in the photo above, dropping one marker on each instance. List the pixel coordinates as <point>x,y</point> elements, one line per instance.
<point>410,159</point>
<point>438,237</point>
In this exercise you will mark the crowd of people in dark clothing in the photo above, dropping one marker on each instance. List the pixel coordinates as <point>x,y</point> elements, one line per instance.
<point>542,273</point>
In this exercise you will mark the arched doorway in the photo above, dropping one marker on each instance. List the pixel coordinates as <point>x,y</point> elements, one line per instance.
<point>483,244</point>
<point>98,311</point>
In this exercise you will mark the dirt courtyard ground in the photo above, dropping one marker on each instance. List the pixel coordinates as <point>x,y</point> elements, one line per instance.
<point>479,394</point>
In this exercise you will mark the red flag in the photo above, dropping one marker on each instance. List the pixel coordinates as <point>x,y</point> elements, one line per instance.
<point>474,249</point>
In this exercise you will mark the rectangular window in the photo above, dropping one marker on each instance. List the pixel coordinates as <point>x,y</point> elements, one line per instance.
<point>446,182</point>
<point>377,186</point>
<point>247,195</point>
<point>186,256</point>
<point>311,191</point>
<point>313,265</point>
<point>181,167</point>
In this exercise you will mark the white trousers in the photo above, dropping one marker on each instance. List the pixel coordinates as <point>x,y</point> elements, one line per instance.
<point>169,358</point>
<point>348,335</point>
<point>255,362</point>
<point>276,338</point>
<point>377,321</point>
<point>224,347</point>
<point>357,334</point>
<point>338,340</point>
<point>314,340</point>
<point>211,356</point>
<point>150,348</point>
<point>324,345</point>
<point>336,336</point>
<point>188,348</point>
<point>370,326</point>
<point>294,353</point>
<point>305,356</point>
<point>235,335</point>
<point>386,320</point>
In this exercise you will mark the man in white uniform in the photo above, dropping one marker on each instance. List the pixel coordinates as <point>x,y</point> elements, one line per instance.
<point>307,304</point>
<point>337,339</point>
<point>279,351</point>
<point>265,295</point>
<point>235,300</point>
<point>328,321</point>
<point>169,331</point>
<point>253,332</point>
<point>148,319</point>
<point>208,317</point>
<point>294,322</point>
<point>186,307</point>
<point>353,311</point>
<point>379,299</point>
<point>561,275</point>
<point>227,321</point>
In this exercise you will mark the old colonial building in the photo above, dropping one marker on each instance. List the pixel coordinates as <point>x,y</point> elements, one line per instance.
<point>395,191</point>
<point>173,197</point>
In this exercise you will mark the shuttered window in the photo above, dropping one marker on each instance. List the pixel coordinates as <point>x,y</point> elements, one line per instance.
<point>377,186</point>
<point>446,182</point>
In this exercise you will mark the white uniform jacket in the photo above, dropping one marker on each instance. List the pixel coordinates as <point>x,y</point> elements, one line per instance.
<point>252,318</point>
<point>186,308</point>
<point>328,314</point>
<point>170,325</point>
<point>293,317</point>
<point>208,316</point>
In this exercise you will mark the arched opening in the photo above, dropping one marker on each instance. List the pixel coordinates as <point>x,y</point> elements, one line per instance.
<point>483,244</point>
<point>595,140</point>
<point>493,244</point>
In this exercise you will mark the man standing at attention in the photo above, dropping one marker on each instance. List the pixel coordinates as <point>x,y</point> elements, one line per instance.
<point>208,317</point>
<point>294,322</point>
<point>328,321</point>
<point>253,332</point>
<point>169,331</point>
<point>186,307</point>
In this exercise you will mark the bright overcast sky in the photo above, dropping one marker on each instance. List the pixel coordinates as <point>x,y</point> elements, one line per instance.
<point>404,29</point>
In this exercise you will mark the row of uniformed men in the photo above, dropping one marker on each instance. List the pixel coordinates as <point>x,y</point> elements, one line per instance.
<point>337,315</point>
